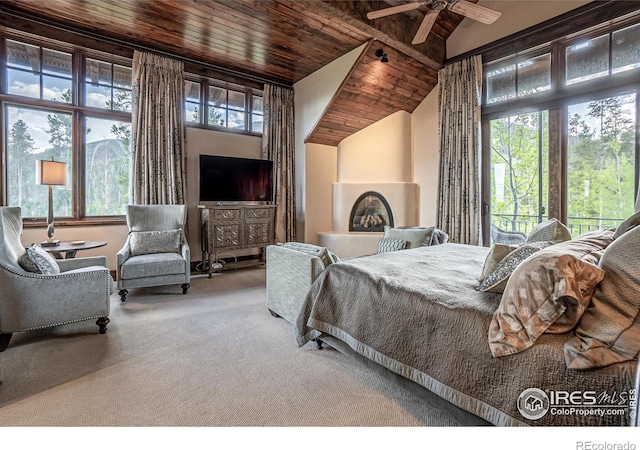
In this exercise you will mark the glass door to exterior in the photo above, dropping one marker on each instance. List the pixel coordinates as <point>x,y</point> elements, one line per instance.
<point>519,156</point>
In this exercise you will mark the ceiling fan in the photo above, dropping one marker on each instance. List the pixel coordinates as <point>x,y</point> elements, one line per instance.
<point>467,9</point>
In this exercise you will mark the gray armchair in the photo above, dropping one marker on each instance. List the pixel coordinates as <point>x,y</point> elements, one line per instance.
<point>500,236</point>
<point>30,301</point>
<point>156,252</point>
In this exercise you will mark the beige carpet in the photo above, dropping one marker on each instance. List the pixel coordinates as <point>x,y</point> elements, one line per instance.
<point>214,357</point>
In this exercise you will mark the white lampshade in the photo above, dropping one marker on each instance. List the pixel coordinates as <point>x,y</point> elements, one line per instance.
<point>51,172</point>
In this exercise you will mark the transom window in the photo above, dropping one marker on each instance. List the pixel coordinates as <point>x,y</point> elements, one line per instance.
<point>607,54</point>
<point>107,85</point>
<point>228,108</point>
<point>38,72</point>
<point>517,78</point>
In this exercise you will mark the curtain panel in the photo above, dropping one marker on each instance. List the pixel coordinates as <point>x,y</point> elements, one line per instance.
<point>158,131</point>
<point>460,90</point>
<point>278,145</point>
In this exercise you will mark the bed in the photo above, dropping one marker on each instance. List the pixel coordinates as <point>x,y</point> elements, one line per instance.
<point>418,313</point>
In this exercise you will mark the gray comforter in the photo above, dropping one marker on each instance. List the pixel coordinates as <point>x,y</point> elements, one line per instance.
<point>417,313</point>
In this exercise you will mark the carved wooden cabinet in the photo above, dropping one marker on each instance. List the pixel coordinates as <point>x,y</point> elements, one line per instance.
<point>235,227</point>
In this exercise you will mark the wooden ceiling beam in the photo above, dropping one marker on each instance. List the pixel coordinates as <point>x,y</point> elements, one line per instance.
<point>396,31</point>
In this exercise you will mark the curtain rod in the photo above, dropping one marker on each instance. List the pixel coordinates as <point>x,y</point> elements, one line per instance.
<point>116,41</point>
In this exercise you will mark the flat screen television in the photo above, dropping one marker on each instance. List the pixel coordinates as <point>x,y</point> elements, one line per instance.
<point>230,179</point>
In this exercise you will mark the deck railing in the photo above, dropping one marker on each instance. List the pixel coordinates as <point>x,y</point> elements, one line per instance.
<point>576,225</point>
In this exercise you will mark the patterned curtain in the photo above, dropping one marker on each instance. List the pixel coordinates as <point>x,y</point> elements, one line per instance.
<point>278,145</point>
<point>459,188</point>
<point>158,132</point>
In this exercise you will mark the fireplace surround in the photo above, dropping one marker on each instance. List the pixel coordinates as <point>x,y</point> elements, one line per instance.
<point>402,200</point>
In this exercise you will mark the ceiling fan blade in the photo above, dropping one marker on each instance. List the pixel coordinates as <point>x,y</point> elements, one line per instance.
<point>475,12</point>
<point>425,27</point>
<point>393,10</point>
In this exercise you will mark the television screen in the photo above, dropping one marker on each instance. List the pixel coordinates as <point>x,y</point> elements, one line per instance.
<point>229,179</point>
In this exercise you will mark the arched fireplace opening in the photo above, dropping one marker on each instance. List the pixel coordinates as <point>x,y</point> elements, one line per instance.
<point>371,212</point>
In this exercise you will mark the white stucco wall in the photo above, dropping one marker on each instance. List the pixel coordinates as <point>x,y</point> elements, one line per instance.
<point>379,153</point>
<point>516,16</point>
<point>312,95</point>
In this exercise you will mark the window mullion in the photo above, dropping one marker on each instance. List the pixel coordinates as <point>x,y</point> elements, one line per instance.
<point>78,178</point>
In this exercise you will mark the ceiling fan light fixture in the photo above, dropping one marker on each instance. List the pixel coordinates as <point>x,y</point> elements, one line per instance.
<point>464,8</point>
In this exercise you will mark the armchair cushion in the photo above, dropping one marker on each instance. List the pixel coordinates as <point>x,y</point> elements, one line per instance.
<point>152,265</point>
<point>46,264</point>
<point>149,242</point>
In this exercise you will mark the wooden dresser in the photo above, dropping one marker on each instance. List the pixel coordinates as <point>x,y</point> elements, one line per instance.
<point>235,227</point>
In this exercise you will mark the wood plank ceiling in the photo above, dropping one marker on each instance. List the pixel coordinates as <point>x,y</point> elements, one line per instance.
<point>258,41</point>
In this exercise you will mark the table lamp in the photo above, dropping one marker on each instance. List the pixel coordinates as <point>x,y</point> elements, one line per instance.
<point>52,173</point>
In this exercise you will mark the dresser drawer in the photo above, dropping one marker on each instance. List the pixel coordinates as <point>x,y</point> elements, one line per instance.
<point>258,213</point>
<point>222,214</point>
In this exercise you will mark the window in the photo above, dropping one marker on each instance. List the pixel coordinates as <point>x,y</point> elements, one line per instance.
<point>107,166</point>
<point>257,115</point>
<point>25,145</point>
<point>601,162</point>
<point>38,72</point>
<point>107,85</point>
<point>518,78</point>
<point>192,101</point>
<point>611,53</point>
<point>519,176</point>
<point>44,118</point>
<point>237,109</point>
<point>574,157</point>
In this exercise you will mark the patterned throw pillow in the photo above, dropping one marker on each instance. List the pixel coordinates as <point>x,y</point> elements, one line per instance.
<point>497,280</point>
<point>627,225</point>
<point>27,264</point>
<point>609,331</point>
<point>149,242</point>
<point>548,293</point>
<point>46,264</point>
<point>550,230</point>
<point>390,245</point>
<point>498,253</point>
<point>414,237</point>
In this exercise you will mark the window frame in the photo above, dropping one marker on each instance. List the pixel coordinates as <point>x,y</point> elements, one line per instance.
<point>77,108</point>
<point>557,101</point>
<point>205,83</point>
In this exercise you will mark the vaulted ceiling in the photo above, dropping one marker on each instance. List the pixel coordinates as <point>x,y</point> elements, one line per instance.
<point>268,41</point>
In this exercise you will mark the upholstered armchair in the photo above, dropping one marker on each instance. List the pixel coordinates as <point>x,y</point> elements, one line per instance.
<point>500,236</point>
<point>156,252</point>
<point>30,300</point>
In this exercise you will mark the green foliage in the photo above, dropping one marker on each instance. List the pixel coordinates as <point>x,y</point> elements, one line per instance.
<point>515,149</point>
<point>600,166</point>
<point>601,163</point>
<point>107,165</point>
